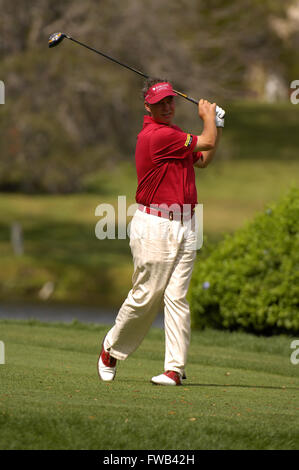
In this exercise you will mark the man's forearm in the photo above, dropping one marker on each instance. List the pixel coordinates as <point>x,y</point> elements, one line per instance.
<point>207,155</point>
<point>207,139</point>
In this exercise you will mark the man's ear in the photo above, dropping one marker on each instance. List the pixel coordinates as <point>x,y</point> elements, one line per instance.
<point>147,107</point>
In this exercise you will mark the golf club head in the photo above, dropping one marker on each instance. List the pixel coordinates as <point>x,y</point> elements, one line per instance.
<point>56,38</point>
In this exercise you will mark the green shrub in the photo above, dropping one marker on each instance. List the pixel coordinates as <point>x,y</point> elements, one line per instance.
<point>251,279</point>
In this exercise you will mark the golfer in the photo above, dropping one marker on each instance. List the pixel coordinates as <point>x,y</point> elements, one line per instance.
<point>162,234</point>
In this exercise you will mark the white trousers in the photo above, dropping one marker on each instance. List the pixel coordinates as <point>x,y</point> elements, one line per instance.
<point>163,253</point>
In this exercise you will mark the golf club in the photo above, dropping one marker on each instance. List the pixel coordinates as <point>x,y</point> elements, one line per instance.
<point>57,38</point>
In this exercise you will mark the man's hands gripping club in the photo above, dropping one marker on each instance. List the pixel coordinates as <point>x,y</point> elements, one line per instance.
<point>204,107</point>
<point>213,122</point>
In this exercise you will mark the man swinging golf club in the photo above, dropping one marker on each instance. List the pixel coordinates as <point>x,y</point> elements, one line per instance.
<point>162,242</point>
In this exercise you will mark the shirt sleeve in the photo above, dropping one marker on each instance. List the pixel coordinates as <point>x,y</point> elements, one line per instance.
<point>167,143</point>
<point>197,156</point>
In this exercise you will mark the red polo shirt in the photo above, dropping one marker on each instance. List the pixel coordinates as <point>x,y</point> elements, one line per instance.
<point>164,163</point>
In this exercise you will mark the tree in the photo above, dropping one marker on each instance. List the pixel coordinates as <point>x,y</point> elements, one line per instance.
<point>69,111</point>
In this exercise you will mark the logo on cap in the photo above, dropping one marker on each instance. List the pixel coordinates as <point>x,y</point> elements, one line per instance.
<point>158,92</point>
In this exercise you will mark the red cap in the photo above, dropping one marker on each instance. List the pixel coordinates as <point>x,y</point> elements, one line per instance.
<point>159,91</point>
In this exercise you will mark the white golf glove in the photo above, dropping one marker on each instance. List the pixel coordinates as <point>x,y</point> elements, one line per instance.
<point>220,113</point>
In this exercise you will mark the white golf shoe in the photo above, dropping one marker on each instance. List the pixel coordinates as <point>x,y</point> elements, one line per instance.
<point>106,366</point>
<point>170,377</point>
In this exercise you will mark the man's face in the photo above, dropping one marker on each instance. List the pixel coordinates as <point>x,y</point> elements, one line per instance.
<point>163,111</point>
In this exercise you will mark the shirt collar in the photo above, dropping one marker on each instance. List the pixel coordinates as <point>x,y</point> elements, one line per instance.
<point>149,120</point>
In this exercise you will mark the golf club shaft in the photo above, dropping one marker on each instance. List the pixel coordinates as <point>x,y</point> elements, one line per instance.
<point>183,95</point>
<point>108,57</point>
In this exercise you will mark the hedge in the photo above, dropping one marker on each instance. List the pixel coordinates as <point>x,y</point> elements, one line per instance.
<point>250,281</point>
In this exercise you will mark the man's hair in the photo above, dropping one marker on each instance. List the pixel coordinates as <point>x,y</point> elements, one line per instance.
<point>149,82</point>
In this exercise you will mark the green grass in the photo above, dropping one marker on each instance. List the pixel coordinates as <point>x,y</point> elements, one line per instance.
<point>241,392</point>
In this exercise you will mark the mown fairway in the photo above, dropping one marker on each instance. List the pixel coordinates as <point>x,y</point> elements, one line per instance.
<point>241,393</point>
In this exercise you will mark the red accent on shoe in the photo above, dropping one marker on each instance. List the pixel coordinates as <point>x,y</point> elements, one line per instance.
<point>174,376</point>
<point>108,360</point>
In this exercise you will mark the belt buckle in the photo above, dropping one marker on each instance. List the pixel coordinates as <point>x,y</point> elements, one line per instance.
<point>170,215</point>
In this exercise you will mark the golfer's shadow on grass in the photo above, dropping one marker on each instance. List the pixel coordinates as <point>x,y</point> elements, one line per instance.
<point>241,386</point>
